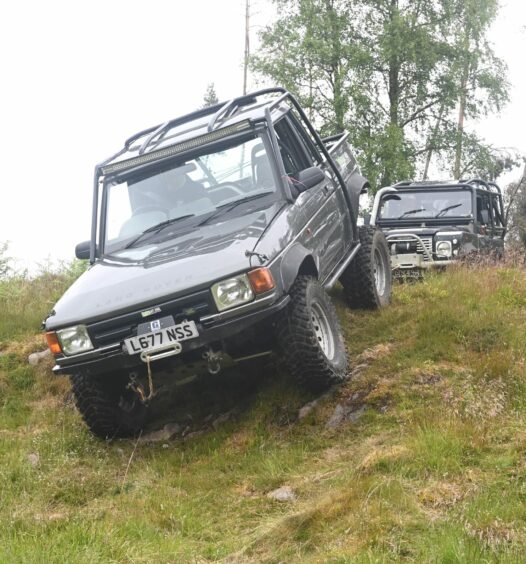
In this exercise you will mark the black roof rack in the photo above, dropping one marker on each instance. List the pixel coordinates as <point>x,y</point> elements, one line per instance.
<point>217,112</point>
<point>231,106</point>
<point>490,186</point>
<point>475,182</point>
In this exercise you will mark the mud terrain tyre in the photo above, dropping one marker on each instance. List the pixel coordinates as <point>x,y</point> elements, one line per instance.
<point>109,409</point>
<point>310,337</point>
<point>367,281</point>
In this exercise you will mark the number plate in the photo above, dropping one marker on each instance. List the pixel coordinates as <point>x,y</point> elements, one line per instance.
<point>408,273</point>
<point>155,340</point>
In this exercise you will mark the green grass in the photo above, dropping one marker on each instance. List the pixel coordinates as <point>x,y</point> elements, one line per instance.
<point>26,301</point>
<point>434,471</point>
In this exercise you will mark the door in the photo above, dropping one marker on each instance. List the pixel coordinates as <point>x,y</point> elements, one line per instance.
<point>499,229</point>
<point>484,223</point>
<point>320,204</point>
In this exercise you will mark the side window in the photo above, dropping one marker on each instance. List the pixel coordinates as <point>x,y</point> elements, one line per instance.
<point>498,220</point>
<point>294,159</point>
<point>305,140</point>
<point>483,208</point>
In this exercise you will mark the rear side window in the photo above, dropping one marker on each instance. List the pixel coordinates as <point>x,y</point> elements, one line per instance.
<point>305,140</point>
<point>483,208</point>
<point>294,159</point>
<point>344,159</point>
<point>498,220</point>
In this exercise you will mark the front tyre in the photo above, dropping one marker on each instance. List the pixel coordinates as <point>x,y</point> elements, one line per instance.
<point>108,407</point>
<point>367,281</point>
<point>310,338</point>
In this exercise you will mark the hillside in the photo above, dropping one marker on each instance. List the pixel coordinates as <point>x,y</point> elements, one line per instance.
<point>419,457</point>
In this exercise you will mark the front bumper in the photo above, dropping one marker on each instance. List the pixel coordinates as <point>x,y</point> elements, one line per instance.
<point>406,261</point>
<point>221,328</point>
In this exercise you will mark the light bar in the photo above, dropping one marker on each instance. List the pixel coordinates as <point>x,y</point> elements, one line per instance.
<point>178,148</point>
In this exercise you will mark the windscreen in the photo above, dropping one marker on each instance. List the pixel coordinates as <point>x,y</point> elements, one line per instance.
<point>186,192</point>
<point>426,205</point>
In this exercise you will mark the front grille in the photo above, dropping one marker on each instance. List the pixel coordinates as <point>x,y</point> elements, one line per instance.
<point>118,328</point>
<point>428,245</point>
<point>414,244</point>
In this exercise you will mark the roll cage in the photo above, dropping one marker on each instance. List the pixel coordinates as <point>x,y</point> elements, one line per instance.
<point>226,119</point>
<point>474,185</point>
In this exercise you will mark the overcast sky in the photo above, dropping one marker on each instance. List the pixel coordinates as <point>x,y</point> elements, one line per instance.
<point>79,77</point>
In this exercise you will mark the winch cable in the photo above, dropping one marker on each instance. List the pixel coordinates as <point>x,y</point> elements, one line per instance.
<point>136,386</point>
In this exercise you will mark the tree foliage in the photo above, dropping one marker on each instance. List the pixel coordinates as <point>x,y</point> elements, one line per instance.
<point>210,98</point>
<point>516,210</point>
<point>398,74</point>
<point>5,261</point>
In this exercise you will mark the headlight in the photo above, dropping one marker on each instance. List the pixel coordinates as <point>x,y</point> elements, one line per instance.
<point>232,292</point>
<point>444,249</point>
<point>74,340</point>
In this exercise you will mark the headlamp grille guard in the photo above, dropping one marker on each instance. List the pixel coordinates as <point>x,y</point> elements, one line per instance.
<point>178,148</point>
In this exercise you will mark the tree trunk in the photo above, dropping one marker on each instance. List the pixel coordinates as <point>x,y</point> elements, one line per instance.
<point>432,142</point>
<point>460,127</point>
<point>394,72</point>
<point>247,46</point>
<point>335,65</point>
<point>462,103</point>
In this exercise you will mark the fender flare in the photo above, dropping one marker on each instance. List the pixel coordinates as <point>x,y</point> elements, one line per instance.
<point>291,263</point>
<point>358,184</point>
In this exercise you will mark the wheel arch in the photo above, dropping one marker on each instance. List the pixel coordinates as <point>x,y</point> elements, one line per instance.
<point>297,260</point>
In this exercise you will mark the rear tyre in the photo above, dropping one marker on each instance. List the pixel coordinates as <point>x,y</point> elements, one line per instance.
<point>367,281</point>
<point>310,337</point>
<point>108,407</point>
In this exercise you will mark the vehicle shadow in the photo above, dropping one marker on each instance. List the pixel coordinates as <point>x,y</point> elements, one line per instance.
<point>194,405</point>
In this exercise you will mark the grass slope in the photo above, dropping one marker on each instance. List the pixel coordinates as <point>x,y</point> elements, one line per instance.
<point>433,471</point>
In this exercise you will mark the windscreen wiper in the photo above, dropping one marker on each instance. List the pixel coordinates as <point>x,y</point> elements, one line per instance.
<point>156,228</point>
<point>410,212</point>
<point>445,210</point>
<point>225,208</point>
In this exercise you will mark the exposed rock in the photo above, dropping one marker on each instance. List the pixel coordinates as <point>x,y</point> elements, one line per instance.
<point>223,418</point>
<point>343,413</point>
<point>35,358</point>
<point>162,435</point>
<point>194,435</point>
<point>309,407</point>
<point>33,458</point>
<point>285,493</point>
<point>306,409</point>
<point>337,417</point>
<point>356,413</point>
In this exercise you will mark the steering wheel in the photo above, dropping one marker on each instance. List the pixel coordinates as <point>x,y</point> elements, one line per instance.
<point>149,208</point>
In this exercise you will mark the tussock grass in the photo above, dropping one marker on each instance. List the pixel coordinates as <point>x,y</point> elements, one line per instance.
<point>433,471</point>
<point>26,300</point>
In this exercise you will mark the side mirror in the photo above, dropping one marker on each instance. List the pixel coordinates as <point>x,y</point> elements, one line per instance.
<point>82,250</point>
<point>309,177</point>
